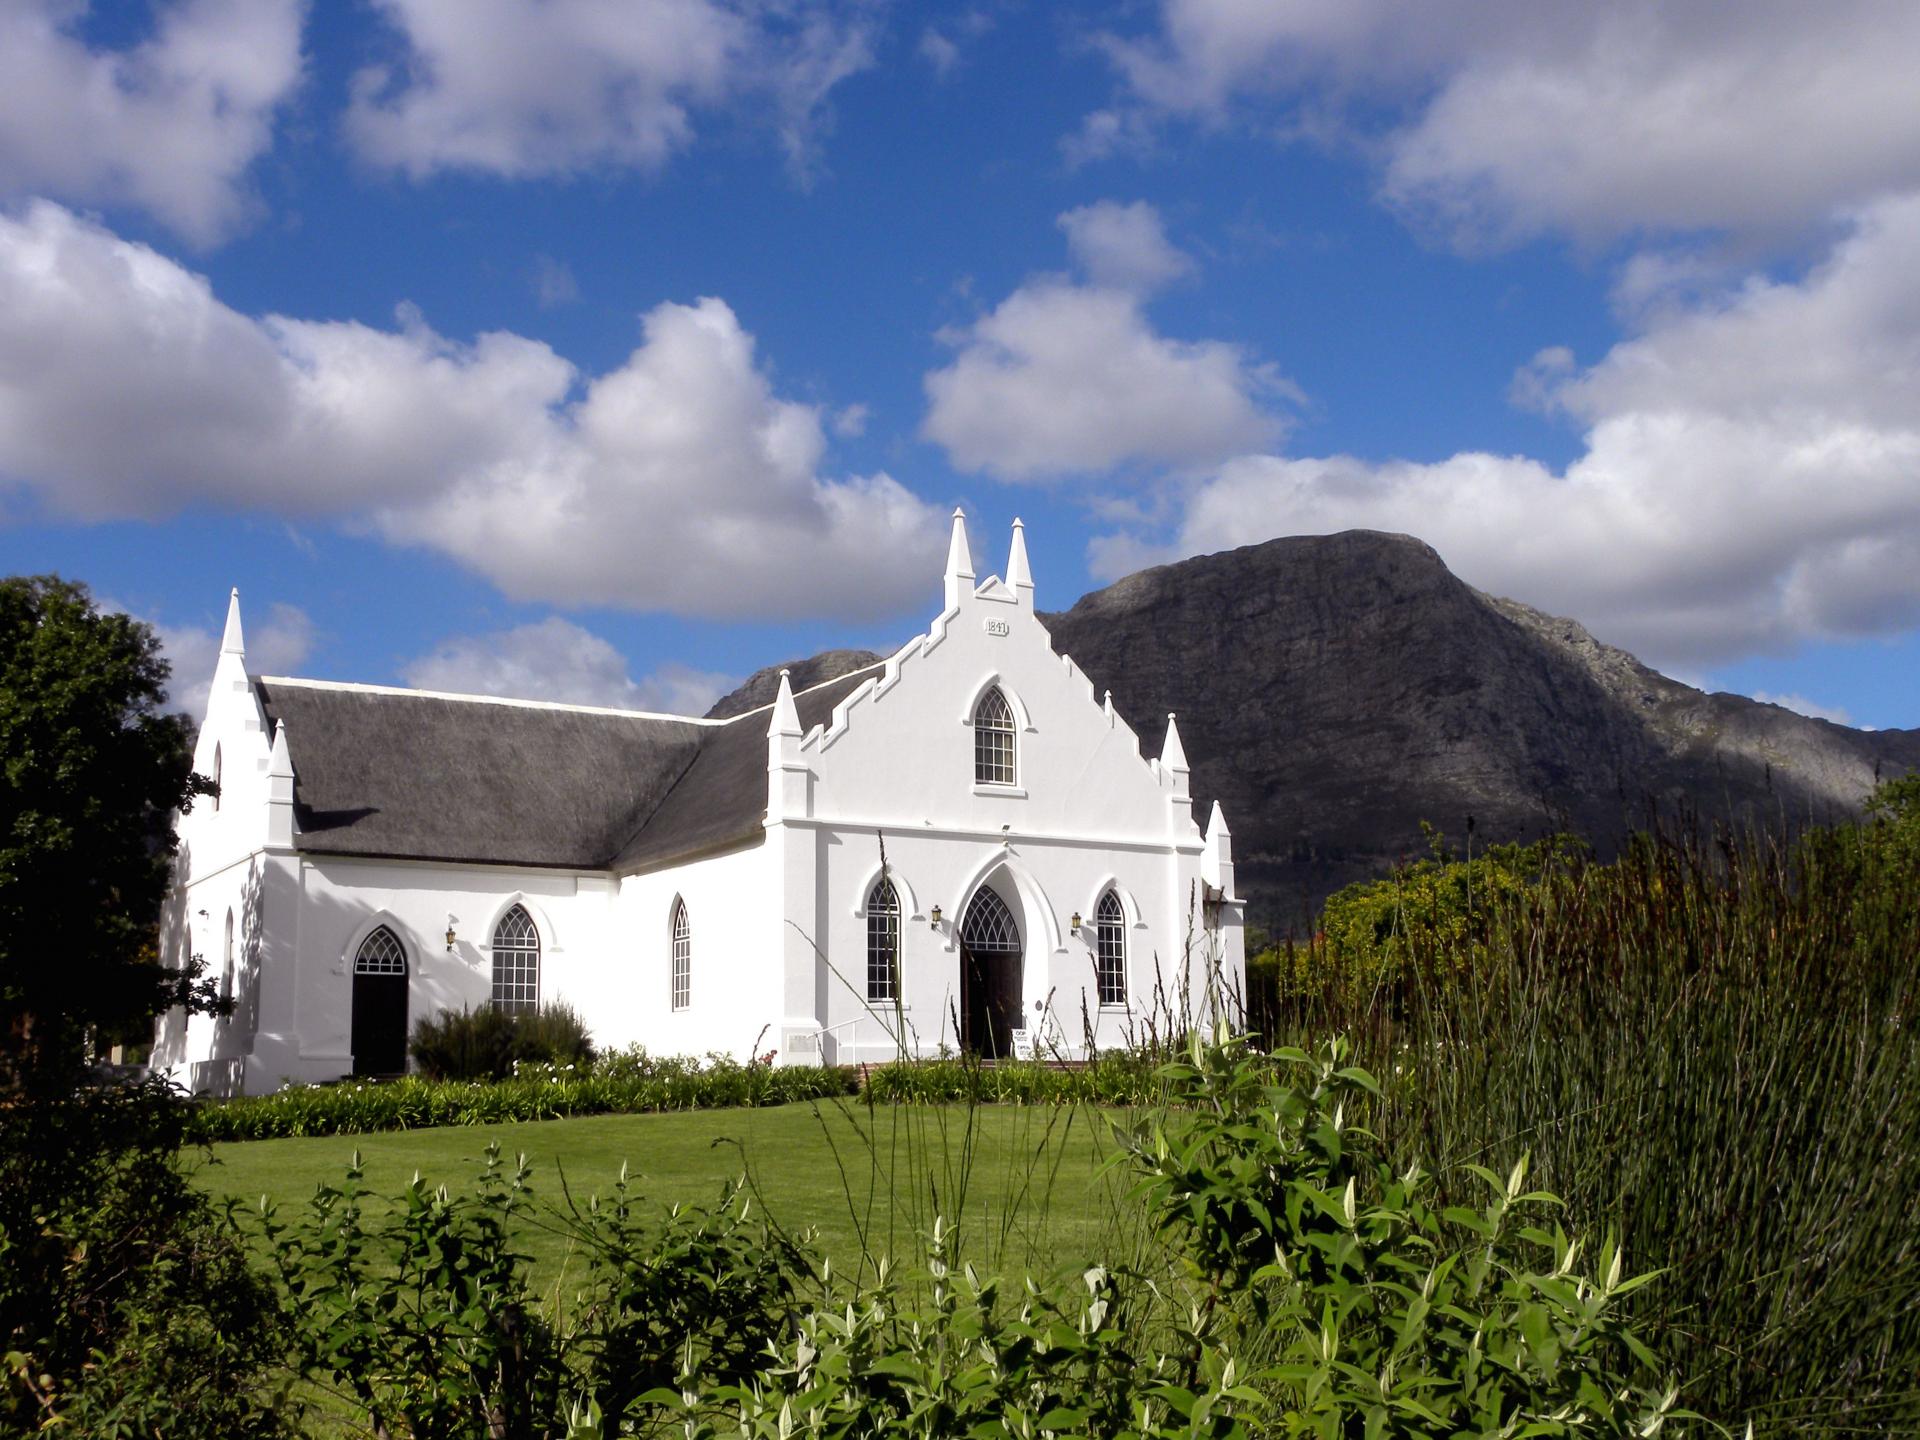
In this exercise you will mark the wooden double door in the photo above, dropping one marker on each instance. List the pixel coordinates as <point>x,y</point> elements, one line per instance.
<point>991,954</point>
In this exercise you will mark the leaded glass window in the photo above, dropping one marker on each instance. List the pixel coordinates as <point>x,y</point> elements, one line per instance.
<point>381,953</point>
<point>682,957</point>
<point>1110,949</point>
<point>993,740</point>
<point>989,927</point>
<point>883,941</point>
<point>516,962</point>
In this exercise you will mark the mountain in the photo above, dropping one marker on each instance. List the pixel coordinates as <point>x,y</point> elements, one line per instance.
<point>1333,691</point>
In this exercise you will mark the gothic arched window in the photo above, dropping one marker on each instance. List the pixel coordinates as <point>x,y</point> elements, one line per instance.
<point>1110,949</point>
<point>993,740</point>
<point>381,953</point>
<point>216,779</point>
<point>516,962</point>
<point>682,957</point>
<point>226,962</point>
<point>883,941</point>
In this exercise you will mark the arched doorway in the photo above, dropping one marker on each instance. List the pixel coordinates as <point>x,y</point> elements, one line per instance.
<point>380,1005</point>
<point>990,952</point>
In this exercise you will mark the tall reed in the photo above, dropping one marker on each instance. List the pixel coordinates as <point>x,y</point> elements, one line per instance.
<point>1710,1046</point>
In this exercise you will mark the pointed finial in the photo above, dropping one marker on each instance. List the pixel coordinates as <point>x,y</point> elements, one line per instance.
<point>1217,823</point>
<point>1173,755</point>
<point>233,642</point>
<point>281,761</point>
<point>786,715</point>
<point>1019,574</point>
<point>959,560</point>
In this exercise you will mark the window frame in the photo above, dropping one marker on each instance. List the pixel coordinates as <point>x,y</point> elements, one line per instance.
<point>516,972</point>
<point>680,971</point>
<point>1110,950</point>
<point>996,745</point>
<point>883,942</point>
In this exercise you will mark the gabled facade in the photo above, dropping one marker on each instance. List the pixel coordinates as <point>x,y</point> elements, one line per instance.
<point>961,847</point>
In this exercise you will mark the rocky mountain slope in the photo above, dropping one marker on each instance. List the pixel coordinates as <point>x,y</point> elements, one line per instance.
<point>1334,691</point>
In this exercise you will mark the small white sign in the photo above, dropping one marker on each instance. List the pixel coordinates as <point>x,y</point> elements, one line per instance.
<point>1023,1045</point>
<point>997,626</point>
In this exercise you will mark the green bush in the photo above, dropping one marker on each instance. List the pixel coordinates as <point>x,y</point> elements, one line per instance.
<point>126,1306</point>
<point>488,1044</point>
<point>533,1092</point>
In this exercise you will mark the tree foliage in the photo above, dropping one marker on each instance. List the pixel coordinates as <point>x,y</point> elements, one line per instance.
<point>91,772</point>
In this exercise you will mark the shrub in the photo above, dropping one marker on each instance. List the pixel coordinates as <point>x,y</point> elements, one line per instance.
<point>487,1044</point>
<point>126,1306</point>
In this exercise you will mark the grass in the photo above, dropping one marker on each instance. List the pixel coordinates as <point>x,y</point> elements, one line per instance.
<point>1026,1184</point>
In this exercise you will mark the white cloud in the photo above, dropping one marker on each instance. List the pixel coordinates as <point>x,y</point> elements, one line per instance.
<point>554,659</point>
<point>677,481</point>
<point>1751,475</point>
<point>169,125</point>
<point>553,87</point>
<point>1123,247</point>
<point>277,645</point>
<point>1065,377</point>
<point>1660,114</point>
<point>1801,705</point>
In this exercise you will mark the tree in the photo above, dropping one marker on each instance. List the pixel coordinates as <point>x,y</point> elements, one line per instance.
<point>91,773</point>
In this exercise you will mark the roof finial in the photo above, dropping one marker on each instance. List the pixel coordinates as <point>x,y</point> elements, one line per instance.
<point>1173,755</point>
<point>959,560</point>
<point>233,642</point>
<point>1019,574</point>
<point>786,715</point>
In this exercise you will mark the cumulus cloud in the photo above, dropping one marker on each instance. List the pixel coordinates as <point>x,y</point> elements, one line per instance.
<point>677,481</point>
<point>169,125</point>
<point>554,659</point>
<point>1123,247</point>
<point>1518,117</point>
<point>553,87</point>
<point>1067,376</point>
<point>277,644</point>
<point>1751,474</point>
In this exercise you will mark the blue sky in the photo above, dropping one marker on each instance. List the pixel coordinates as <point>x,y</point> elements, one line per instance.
<point>607,351</point>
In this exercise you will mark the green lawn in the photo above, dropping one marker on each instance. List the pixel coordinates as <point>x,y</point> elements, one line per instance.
<point>1025,1183</point>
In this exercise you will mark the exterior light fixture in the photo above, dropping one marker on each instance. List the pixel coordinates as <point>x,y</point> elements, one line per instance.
<point>1076,922</point>
<point>449,934</point>
<point>934,916</point>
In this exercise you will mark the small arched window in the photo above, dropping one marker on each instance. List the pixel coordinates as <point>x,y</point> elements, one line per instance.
<point>993,740</point>
<point>1110,949</point>
<point>216,779</point>
<point>516,962</point>
<point>226,963</point>
<point>883,941</point>
<point>682,957</point>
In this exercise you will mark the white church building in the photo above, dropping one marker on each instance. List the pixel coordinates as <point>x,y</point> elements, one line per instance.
<point>961,847</point>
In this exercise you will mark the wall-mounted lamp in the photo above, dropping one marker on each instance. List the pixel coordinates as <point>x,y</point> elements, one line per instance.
<point>934,916</point>
<point>1076,922</point>
<point>449,934</point>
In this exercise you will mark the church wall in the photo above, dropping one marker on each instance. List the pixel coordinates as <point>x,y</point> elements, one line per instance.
<point>734,970</point>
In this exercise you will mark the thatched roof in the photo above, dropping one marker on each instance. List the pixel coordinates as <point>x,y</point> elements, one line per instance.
<point>409,775</point>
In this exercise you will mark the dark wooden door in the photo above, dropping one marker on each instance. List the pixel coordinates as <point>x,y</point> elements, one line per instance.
<point>990,954</point>
<point>379,1024</point>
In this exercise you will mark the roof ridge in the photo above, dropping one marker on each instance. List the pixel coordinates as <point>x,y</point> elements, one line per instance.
<point>361,688</point>
<point>818,685</point>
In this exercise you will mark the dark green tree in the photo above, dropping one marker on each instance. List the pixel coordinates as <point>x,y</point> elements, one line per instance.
<point>91,772</point>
